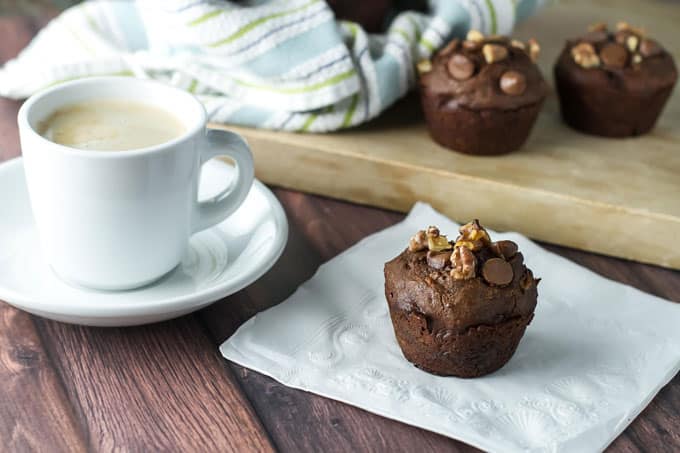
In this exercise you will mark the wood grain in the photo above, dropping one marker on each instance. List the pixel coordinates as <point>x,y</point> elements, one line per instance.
<point>154,388</point>
<point>35,413</point>
<point>574,183</point>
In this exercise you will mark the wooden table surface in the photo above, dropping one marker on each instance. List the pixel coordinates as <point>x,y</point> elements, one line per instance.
<point>165,386</point>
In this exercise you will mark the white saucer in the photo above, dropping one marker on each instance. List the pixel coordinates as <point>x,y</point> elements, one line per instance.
<point>220,261</point>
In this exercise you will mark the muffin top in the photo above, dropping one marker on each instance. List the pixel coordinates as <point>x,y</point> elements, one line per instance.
<point>464,283</point>
<point>484,72</point>
<point>626,58</point>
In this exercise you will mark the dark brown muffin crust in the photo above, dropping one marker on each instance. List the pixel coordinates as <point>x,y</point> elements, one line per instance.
<point>460,311</point>
<point>614,84</point>
<point>481,132</point>
<point>472,90</point>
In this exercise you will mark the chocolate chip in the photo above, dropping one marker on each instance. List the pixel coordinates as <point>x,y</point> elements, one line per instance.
<point>505,249</point>
<point>513,83</point>
<point>494,52</point>
<point>598,26</point>
<point>450,47</point>
<point>497,272</point>
<point>595,37</point>
<point>614,55</point>
<point>438,260</point>
<point>649,48</point>
<point>534,49</point>
<point>461,67</point>
<point>472,45</point>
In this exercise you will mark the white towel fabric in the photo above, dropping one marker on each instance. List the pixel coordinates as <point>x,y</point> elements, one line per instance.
<point>277,64</point>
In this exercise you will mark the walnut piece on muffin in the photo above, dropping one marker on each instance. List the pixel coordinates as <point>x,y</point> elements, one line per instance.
<point>614,83</point>
<point>482,95</point>
<point>459,307</point>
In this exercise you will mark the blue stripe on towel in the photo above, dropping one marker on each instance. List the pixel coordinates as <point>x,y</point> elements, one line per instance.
<point>130,22</point>
<point>249,115</point>
<point>452,12</point>
<point>296,51</point>
<point>388,70</point>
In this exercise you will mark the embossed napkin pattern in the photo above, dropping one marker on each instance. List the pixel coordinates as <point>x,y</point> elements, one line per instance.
<point>592,359</point>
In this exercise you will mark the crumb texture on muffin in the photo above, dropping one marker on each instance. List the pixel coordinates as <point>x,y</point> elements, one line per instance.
<point>459,307</point>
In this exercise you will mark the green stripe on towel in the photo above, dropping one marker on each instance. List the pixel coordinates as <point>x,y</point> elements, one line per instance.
<point>308,123</point>
<point>347,121</point>
<point>316,86</point>
<point>252,25</point>
<point>205,17</point>
<point>427,44</point>
<point>492,13</point>
<point>402,32</point>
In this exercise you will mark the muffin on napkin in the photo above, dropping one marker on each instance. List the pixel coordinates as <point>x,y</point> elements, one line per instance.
<point>482,95</point>
<point>459,308</point>
<point>614,84</point>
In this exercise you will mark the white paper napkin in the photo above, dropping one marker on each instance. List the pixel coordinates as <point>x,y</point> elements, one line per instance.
<point>594,356</point>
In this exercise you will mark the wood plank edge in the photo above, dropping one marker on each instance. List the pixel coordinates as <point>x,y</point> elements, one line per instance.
<point>293,140</point>
<point>586,225</point>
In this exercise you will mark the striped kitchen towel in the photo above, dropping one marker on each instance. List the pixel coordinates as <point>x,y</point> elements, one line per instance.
<point>276,64</point>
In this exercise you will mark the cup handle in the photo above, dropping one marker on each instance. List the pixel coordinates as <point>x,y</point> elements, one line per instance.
<point>213,211</point>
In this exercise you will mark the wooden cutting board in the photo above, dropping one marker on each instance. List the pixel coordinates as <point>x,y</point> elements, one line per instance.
<point>612,196</point>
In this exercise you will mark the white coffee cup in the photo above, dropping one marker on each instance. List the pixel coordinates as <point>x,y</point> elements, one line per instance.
<point>119,220</point>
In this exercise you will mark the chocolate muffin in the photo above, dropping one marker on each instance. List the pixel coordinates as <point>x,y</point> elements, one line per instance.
<point>459,308</point>
<point>482,95</point>
<point>614,84</point>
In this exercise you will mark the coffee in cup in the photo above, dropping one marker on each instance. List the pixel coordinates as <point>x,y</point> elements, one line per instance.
<point>110,125</point>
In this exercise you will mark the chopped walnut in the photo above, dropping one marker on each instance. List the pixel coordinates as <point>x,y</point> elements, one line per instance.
<point>432,231</point>
<point>518,44</point>
<point>418,242</point>
<point>424,66</point>
<point>625,26</point>
<point>438,243</point>
<point>429,239</point>
<point>534,49</point>
<point>598,26</point>
<point>464,263</point>
<point>584,55</point>
<point>621,26</point>
<point>475,35</point>
<point>494,52</point>
<point>632,42</point>
<point>473,236</point>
